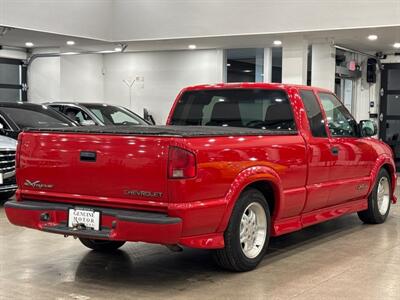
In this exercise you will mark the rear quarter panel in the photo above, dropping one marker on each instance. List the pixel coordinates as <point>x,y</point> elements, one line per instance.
<point>220,160</point>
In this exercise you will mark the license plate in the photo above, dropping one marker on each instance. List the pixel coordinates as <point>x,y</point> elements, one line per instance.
<point>83,216</point>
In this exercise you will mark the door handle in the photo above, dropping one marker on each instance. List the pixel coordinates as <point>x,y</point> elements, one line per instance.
<point>335,150</point>
<point>88,156</point>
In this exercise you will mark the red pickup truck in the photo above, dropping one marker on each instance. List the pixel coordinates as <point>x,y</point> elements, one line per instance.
<point>236,164</point>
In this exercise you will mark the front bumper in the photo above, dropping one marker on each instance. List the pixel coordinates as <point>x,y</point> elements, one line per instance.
<point>9,183</point>
<point>116,224</point>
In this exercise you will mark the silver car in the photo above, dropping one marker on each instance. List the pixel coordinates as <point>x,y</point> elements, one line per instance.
<point>8,185</point>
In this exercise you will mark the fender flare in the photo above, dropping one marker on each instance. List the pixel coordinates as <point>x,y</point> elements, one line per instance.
<point>242,180</point>
<point>382,160</point>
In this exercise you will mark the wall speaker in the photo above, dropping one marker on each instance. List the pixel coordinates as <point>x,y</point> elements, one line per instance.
<point>371,70</point>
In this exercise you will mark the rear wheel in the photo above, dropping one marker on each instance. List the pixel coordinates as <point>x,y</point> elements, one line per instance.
<point>379,201</point>
<point>101,245</point>
<point>247,235</point>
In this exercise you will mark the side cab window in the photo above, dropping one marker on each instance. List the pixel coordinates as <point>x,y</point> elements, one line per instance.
<point>314,113</point>
<point>340,122</point>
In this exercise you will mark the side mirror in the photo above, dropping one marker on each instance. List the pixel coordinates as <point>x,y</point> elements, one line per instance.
<point>368,128</point>
<point>87,123</point>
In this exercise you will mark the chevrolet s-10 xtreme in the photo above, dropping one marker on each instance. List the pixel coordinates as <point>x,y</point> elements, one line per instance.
<point>235,165</point>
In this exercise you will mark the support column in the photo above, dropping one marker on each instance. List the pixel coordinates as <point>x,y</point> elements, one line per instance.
<point>323,66</point>
<point>259,65</point>
<point>294,62</point>
<point>267,65</point>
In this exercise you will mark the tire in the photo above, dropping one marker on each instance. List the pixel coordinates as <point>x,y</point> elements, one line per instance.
<point>101,245</point>
<point>235,256</point>
<point>378,201</point>
<point>6,195</point>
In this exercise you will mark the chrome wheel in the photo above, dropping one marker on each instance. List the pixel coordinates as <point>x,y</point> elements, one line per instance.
<point>253,230</point>
<point>383,195</point>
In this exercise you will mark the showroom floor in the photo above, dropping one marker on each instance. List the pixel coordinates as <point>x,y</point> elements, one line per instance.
<point>339,259</point>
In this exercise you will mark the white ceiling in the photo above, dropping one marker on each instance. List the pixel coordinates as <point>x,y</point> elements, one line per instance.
<point>351,38</point>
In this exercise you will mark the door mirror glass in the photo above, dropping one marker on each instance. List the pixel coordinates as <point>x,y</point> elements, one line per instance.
<point>368,128</point>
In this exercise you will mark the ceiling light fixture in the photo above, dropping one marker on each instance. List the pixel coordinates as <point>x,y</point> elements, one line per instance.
<point>396,45</point>
<point>277,43</point>
<point>70,43</point>
<point>29,44</point>
<point>372,37</point>
<point>118,49</point>
<point>247,71</point>
<point>192,47</point>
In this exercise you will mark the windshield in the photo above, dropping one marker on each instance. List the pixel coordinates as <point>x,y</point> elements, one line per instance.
<point>113,115</point>
<point>252,108</point>
<point>37,117</point>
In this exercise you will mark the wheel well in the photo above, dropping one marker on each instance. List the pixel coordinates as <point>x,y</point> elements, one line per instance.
<point>390,170</point>
<point>266,188</point>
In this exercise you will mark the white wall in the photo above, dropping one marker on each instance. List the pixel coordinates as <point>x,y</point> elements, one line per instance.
<point>44,80</point>
<point>164,74</point>
<point>81,78</point>
<point>99,77</point>
<point>5,53</point>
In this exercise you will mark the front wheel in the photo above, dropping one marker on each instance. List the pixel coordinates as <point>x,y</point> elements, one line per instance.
<point>247,235</point>
<point>101,245</point>
<point>379,201</point>
<point>6,195</point>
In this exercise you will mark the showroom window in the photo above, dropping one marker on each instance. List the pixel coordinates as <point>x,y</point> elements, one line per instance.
<point>247,65</point>
<point>12,80</point>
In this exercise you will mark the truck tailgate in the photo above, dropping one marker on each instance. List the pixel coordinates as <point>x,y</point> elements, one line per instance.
<point>109,168</point>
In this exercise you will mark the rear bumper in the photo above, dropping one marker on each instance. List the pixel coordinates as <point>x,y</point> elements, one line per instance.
<point>116,224</point>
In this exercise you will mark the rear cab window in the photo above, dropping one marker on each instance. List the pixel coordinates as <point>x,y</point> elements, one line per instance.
<point>252,108</point>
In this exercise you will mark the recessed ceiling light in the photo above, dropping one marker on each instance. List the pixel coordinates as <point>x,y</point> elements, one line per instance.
<point>192,47</point>
<point>277,43</point>
<point>29,44</point>
<point>70,43</point>
<point>396,45</point>
<point>247,71</point>
<point>372,37</point>
<point>118,49</point>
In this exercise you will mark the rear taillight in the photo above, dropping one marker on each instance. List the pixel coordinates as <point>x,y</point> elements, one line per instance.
<point>19,143</point>
<point>181,163</point>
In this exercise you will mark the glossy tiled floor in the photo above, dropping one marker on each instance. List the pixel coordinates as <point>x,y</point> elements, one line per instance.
<point>341,259</point>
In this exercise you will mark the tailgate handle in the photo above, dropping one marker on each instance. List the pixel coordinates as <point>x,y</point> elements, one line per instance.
<point>88,156</point>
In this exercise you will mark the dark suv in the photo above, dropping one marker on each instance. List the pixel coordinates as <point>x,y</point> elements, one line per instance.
<point>15,116</point>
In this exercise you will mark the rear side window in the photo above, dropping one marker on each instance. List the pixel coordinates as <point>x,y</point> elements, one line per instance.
<point>314,113</point>
<point>251,108</point>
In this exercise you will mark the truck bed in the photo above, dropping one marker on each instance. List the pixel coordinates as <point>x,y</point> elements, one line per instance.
<point>167,131</point>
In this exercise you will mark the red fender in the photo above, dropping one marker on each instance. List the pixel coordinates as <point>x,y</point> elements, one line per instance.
<point>384,160</point>
<point>242,180</point>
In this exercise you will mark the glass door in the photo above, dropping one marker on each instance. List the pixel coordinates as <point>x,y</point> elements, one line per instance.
<point>13,85</point>
<point>389,129</point>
